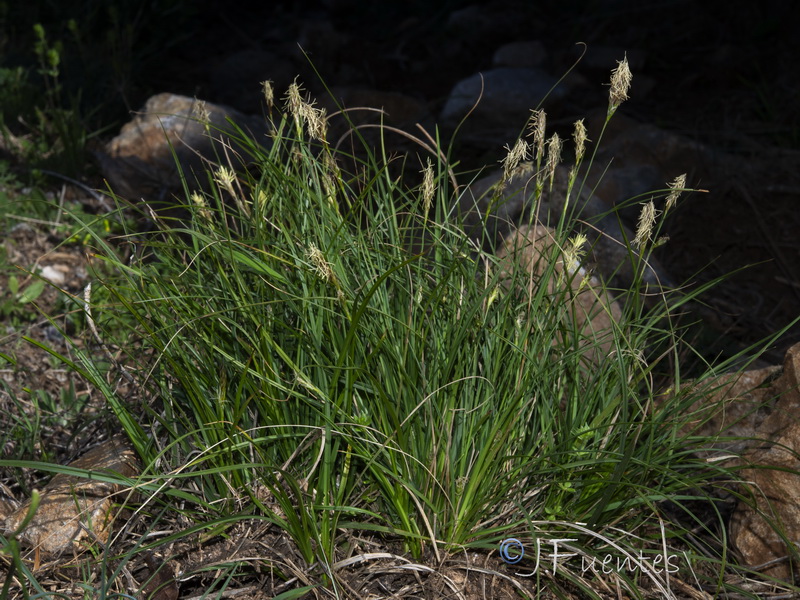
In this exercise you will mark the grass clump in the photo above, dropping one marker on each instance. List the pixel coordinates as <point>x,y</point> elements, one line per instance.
<point>332,353</point>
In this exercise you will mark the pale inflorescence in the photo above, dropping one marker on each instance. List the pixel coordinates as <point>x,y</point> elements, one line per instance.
<point>677,185</point>
<point>514,157</point>
<point>621,78</point>
<point>644,228</point>
<point>553,156</point>
<point>536,125</point>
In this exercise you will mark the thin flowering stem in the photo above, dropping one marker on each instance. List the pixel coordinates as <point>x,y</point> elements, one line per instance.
<point>621,78</point>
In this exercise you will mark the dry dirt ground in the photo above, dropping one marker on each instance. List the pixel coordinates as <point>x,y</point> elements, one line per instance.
<point>722,76</point>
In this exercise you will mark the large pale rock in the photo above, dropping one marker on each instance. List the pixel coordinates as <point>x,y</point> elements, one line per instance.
<point>589,306</point>
<point>774,483</point>
<point>756,417</point>
<point>139,162</point>
<point>774,480</point>
<point>73,508</point>
<point>732,409</point>
<point>743,409</point>
<point>491,211</point>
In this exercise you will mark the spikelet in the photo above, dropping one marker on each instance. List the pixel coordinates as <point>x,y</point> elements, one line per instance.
<point>269,93</point>
<point>316,121</point>
<point>553,156</point>
<point>201,112</point>
<point>321,266</point>
<point>513,158</point>
<point>621,78</point>
<point>428,188</point>
<point>579,135</point>
<point>574,252</point>
<point>676,187</point>
<point>202,206</point>
<point>225,178</point>
<point>294,103</point>
<point>644,228</point>
<point>536,125</point>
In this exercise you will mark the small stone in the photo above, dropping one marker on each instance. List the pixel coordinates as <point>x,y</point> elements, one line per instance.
<point>71,507</point>
<point>55,273</point>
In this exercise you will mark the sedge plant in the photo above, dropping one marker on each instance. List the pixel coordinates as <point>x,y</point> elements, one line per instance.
<point>332,350</point>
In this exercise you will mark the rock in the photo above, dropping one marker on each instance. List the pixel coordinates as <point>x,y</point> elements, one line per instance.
<point>139,163</point>
<point>591,307</point>
<point>604,58</point>
<point>528,54</point>
<point>628,143</point>
<point>622,188</point>
<point>761,409</point>
<point>236,79</point>
<point>75,508</point>
<point>499,101</point>
<point>55,273</point>
<point>732,406</point>
<point>774,482</point>
<point>488,218</point>
<point>755,405</point>
<point>399,110</point>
